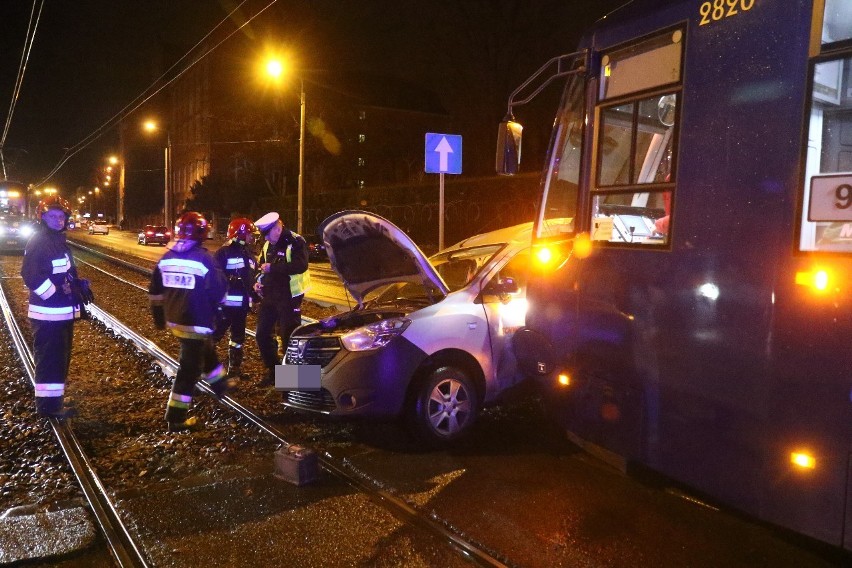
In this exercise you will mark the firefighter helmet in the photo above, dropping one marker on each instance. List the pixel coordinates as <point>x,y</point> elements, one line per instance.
<point>240,229</point>
<point>191,226</point>
<point>53,202</point>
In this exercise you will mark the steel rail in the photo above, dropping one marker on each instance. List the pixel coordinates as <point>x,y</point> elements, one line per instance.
<point>470,550</point>
<point>121,544</point>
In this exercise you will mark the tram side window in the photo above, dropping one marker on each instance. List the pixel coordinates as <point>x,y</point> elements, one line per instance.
<point>826,223</point>
<point>837,21</point>
<point>636,142</point>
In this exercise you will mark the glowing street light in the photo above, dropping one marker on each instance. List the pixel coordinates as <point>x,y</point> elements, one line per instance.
<point>151,126</point>
<point>274,70</point>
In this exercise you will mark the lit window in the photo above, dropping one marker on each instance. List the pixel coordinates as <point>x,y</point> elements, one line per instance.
<point>362,138</point>
<point>361,183</point>
<point>362,115</point>
<point>360,161</point>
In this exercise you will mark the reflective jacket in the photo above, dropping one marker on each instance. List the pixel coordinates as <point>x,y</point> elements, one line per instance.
<point>239,267</point>
<point>288,274</point>
<point>187,286</point>
<point>47,270</point>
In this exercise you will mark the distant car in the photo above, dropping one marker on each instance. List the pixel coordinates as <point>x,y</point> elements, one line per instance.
<point>430,339</point>
<point>316,249</point>
<point>98,226</point>
<point>156,234</point>
<point>14,233</point>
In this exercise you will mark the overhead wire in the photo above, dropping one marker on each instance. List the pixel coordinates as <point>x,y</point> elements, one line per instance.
<point>136,102</point>
<point>19,80</point>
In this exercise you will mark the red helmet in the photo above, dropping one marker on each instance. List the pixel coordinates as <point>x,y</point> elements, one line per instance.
<point>240,228</point>
<point>53,202</point>
<point>191,226</point>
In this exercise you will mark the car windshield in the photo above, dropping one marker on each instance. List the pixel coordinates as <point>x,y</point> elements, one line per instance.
<point>457,268</point>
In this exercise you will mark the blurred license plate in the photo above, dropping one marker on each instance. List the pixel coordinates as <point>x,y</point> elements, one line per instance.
<point>298,377</point>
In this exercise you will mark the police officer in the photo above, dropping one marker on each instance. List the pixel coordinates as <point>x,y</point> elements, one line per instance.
<point>186,289</point>
<point>236,259</point>
<point>281,284</point>
<point>56,298</point>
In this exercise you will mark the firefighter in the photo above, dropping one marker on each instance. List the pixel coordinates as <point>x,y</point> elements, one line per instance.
<point>57,297</point>
<point>281,284</point>
<point>239,265</point>
<point>186,289</point>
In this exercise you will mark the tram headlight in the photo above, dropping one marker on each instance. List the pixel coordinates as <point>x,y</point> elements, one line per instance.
<point>550,256</point>
<point>26,230</point>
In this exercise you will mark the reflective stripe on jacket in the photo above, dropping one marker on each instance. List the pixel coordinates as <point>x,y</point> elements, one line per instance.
<point>239,267</point>
<point>47,267</point>
<point>189,286</point>
<point>289,266</point>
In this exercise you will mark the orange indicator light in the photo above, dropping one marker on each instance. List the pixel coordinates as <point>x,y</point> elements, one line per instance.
<point>583,245</point>
<point>818,280</point>
<point>803,460</point>
<point>564,379</point>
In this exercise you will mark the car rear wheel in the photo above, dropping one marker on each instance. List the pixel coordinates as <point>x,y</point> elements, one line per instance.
<point>443,406</point>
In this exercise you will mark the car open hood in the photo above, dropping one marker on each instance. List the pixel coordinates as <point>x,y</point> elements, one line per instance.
<point>368,251</point>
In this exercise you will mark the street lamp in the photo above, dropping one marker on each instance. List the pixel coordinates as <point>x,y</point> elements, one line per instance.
<point>152,126</point>
<point>275,69</point>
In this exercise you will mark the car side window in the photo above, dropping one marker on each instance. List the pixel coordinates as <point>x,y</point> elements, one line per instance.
<point>515,270</point>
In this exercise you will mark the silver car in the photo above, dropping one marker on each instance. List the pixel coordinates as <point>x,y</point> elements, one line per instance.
<point>98,226</point>
<point>430,338</point>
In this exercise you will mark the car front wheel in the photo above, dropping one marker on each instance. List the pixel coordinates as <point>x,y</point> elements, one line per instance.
<point>443,406</point>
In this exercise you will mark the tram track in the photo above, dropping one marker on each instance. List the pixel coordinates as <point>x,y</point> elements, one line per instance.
<point>467,549</point>
<point>123,547</point>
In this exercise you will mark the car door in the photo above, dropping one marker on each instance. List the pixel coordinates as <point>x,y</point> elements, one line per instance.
<point>506,313</point>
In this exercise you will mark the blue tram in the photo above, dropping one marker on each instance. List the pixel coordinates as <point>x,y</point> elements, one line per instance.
<point>694,314</point>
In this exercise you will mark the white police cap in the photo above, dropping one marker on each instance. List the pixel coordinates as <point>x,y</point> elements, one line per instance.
<point>267,222</point>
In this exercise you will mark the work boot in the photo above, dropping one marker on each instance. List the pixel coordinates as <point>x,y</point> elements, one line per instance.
<point>235,361</point>
<point>269,379</point>
<point>61,414</point>
<point>218,381</point>
<point>191,424</point>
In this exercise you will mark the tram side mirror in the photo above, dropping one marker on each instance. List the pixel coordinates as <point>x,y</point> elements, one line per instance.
<point>509,147</point>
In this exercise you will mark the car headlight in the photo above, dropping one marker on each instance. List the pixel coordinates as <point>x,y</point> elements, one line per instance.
<point>374,336</point>
<point>2,230</point>
<point>26,230</point>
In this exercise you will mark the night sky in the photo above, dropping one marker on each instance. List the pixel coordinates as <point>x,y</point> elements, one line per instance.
<point>91,58</point>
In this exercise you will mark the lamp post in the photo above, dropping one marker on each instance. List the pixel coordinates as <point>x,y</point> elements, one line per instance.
<point>300,192</point>
<point>152,126</point>
<point>274,70</point>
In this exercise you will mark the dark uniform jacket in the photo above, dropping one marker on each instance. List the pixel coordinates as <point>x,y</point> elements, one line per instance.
<point>186,288</point>
<point>47,270</point>
<point>239,266</point>
<point>276,284</point>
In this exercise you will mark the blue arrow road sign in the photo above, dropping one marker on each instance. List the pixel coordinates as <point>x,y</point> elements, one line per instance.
<point>443,153</point>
